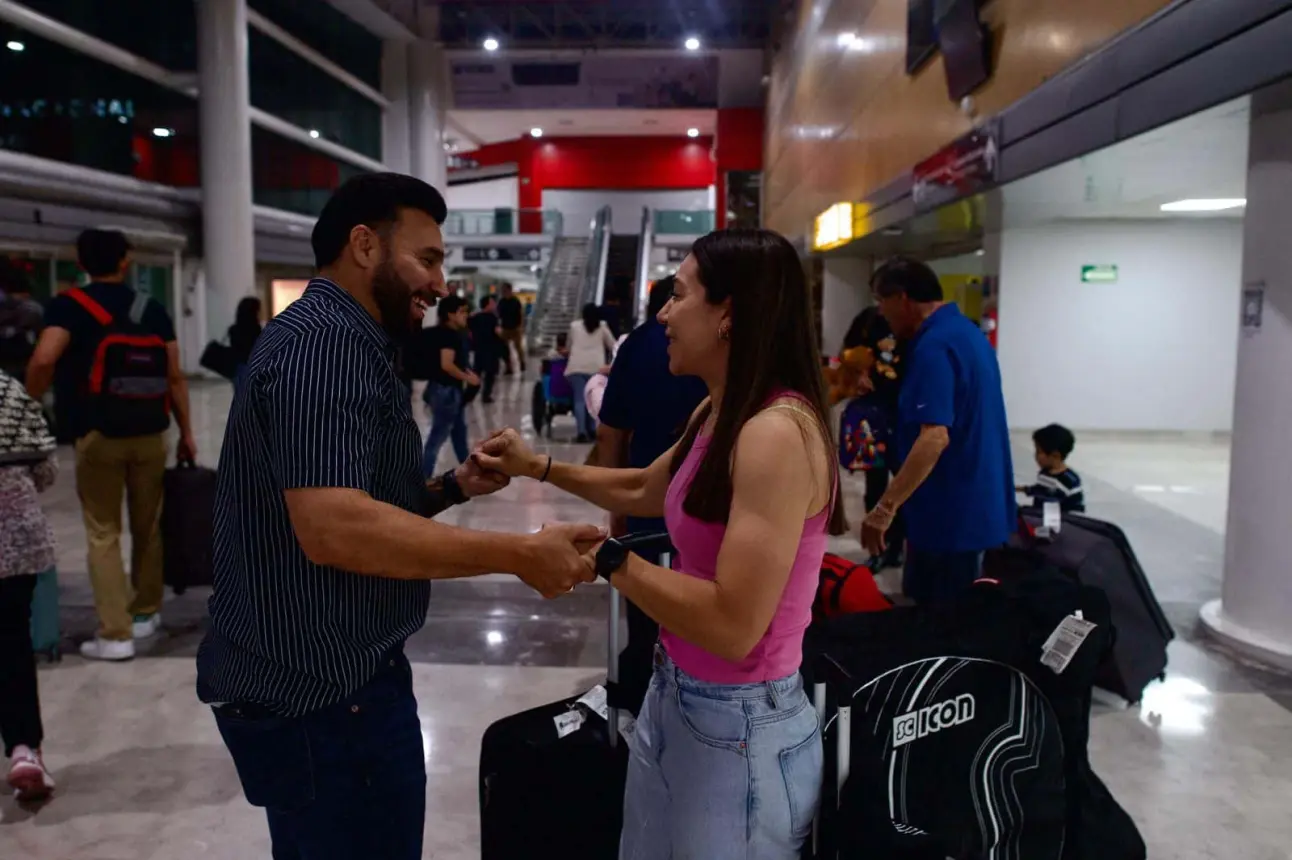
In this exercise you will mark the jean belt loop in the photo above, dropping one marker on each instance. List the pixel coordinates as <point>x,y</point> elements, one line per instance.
<point>774,695</point>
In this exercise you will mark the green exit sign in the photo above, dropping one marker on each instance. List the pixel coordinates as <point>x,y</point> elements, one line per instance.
<point>1099,274</point>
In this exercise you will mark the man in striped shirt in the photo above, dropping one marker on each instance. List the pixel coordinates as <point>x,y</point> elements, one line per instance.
<point>323,547</point>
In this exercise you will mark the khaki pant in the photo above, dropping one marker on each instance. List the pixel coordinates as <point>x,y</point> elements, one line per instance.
<point>514,337</point>
<point>107,469</point>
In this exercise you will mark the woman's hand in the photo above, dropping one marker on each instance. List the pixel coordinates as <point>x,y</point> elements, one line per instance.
<point>506,453</point>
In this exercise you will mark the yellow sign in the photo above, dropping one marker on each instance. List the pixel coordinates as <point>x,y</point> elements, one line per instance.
<point>833,227</point>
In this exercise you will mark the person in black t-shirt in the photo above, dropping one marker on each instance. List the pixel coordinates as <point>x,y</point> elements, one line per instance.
<point>445,346</point>
<point>511,311</point>
<point>487,345</point>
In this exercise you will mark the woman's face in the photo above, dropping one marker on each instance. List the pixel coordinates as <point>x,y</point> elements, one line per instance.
<point>693,325</point>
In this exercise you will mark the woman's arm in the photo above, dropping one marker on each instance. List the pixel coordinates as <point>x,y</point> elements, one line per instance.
<point>630,492</point>
<point>773,493</point>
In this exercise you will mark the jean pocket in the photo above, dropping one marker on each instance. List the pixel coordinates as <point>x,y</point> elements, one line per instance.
<point>272,756</point>
<point>719,723</point>
<point>802,766</point>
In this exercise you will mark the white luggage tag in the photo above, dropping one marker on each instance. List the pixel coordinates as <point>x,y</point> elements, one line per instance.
<point>1052,517</point>
<point>1067,638</point>
<point>569,722</point>
<point>595,700</point>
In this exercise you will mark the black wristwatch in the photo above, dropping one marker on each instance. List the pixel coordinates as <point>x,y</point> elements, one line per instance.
<point>610,557</point>
<point>452,489</point>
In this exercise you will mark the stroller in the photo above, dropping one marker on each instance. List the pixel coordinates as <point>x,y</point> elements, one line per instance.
<point>552,396</point>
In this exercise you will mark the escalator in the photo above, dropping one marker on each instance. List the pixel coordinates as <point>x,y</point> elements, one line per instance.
<point>620,295</point>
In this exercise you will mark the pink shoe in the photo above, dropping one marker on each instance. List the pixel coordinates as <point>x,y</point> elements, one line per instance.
<point>28,777</point>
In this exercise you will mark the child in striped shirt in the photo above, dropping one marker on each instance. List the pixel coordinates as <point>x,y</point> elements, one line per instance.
<point>1056,482</point>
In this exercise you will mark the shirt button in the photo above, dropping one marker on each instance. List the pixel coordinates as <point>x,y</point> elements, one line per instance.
<point>392,663</point>
<point>354,709</point>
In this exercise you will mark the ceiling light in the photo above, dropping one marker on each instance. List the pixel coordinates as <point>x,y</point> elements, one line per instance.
<point>692,44</point>
<point>1219,204</point>
<point>163,132</point>
<point>122,120</point>
<point>494,637</point>
<point>845,40</point>
<point>491,44</point>
<point>314,133</point>
<point>692,132</point>
<point>535,132</point>
<point>980,253</point>
<point>15,45</point>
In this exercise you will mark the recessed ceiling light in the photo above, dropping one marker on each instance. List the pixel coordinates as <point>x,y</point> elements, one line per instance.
<point>314,133</point>
<point>535,132</point>
<point>692,44</point>
<point>1217,204</point>
<point>692,132</point>
<point>15,45</point>
<point>491,44</point>
<point>163,132</point>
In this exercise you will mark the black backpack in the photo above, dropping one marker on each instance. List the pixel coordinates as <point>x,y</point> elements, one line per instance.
<point>127,391</point>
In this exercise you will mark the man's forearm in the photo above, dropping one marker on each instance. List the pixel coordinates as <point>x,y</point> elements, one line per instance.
<point>179,404</point>
<point>39,378</point>
<point>914,472</point>
<point>369,537</point>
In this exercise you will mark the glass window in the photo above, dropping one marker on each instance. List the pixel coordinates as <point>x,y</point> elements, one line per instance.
<point>331,33</point>
<point>287,175</point>
<point>292,88</point>
<point>164,31</point>
<point>64,106</point>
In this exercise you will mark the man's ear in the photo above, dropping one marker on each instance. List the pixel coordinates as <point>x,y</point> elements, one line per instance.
<point>365,246</point>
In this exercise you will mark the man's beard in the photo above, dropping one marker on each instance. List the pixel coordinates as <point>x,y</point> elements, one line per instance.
<point>394,299</point>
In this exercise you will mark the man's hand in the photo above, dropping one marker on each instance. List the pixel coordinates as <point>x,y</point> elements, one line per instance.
<point>472,379</point>
<point>476,481</point>
<point>561,558</point>
<point>186,450</point>
<point>505,452</point>
<point>875,526</point>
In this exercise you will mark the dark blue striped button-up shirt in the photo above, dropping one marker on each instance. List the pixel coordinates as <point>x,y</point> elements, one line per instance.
<point>321,406</point>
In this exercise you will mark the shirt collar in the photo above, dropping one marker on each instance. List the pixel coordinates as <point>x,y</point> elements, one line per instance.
<point>351,312</point>
<point>941,315</point>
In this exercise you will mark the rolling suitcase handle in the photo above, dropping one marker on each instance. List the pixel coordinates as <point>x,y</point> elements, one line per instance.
<point>638,543</point>
<point>842,751</point>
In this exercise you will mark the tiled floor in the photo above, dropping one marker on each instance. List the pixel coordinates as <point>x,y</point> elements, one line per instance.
<point>1204,763</point>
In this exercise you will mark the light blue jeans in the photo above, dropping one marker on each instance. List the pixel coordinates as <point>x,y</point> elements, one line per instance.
<point>721,772</point>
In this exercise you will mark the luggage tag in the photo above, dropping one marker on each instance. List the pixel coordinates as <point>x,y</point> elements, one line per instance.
<point>1052,517</point>
<point>1067,638</point>
<point>569,722</point>
<point>595,700</point>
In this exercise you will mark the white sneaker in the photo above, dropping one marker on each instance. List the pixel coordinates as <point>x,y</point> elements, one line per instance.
<point>108,649</point>
<point>147,625</point>
<point>27,776</point>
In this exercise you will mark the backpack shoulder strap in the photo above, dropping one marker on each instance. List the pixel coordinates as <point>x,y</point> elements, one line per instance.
<point>96,310</point>
<point>138,308</point>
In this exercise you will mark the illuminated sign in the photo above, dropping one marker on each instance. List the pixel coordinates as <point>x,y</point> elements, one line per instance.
<point>833,227</point>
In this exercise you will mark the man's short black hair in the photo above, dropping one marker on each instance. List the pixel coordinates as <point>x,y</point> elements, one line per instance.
<point>660,293</point>
<point>1055,439</point>
<point>448,306</point>
<point>373,200</point>
<point>100,252</point>
<point>902,275</point>
<point>485,301</point>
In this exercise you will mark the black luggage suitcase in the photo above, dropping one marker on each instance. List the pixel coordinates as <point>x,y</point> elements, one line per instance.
<point>188,526</point>
<point>950,737</point>
<point>1098,554</point>
<point>543,793</point>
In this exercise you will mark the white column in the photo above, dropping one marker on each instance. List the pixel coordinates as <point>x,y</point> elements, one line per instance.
<point>428,105</point>
<point>394,86</point>
<point>845,291</point>
<point>1253,614</point>
<point>228,231</point>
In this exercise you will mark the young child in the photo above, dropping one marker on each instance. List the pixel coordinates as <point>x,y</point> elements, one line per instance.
<point>1056,482</point>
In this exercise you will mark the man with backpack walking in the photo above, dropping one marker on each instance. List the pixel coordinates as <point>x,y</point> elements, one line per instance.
<point>117,350</point>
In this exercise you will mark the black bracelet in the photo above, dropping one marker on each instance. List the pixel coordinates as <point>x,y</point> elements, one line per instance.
<point>547,471</point>
<point>453,493</point>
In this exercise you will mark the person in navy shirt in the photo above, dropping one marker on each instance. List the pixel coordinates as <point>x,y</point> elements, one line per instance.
<point>955,487</point>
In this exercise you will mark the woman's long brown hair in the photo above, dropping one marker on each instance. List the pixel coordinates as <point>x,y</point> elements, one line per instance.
<point>773,349</point>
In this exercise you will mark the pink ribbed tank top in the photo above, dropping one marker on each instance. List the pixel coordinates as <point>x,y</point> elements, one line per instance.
<point>780,652</point>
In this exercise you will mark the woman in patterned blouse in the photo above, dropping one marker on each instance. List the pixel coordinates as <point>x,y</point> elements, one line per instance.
<point>26,549</point>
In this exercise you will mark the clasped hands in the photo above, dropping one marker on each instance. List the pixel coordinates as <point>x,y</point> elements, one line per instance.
<point>559,556</point>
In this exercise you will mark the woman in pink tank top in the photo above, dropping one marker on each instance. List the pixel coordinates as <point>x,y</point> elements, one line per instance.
<point>726,753</point>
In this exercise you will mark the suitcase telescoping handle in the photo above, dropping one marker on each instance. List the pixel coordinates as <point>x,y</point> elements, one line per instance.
<point>647,543</point>
<point>842,759</point>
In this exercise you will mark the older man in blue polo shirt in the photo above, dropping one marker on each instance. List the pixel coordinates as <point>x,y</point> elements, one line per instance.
<point>956,483</point>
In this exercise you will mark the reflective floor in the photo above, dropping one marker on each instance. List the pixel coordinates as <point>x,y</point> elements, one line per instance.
<point>1204,764</point>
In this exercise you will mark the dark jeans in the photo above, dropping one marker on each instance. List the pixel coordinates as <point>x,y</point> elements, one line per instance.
<point>448,421</point>
<point>19,699</point>
<point>345,782</point>
<point>939,577</point>
<point>485,364</point>
<point>587,425</point>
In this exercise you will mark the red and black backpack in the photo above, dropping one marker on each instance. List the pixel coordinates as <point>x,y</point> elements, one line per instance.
<point>127,391</point>
<point>846,588</point>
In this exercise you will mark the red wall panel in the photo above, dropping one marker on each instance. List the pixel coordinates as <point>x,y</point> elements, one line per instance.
<point>739,146</point>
